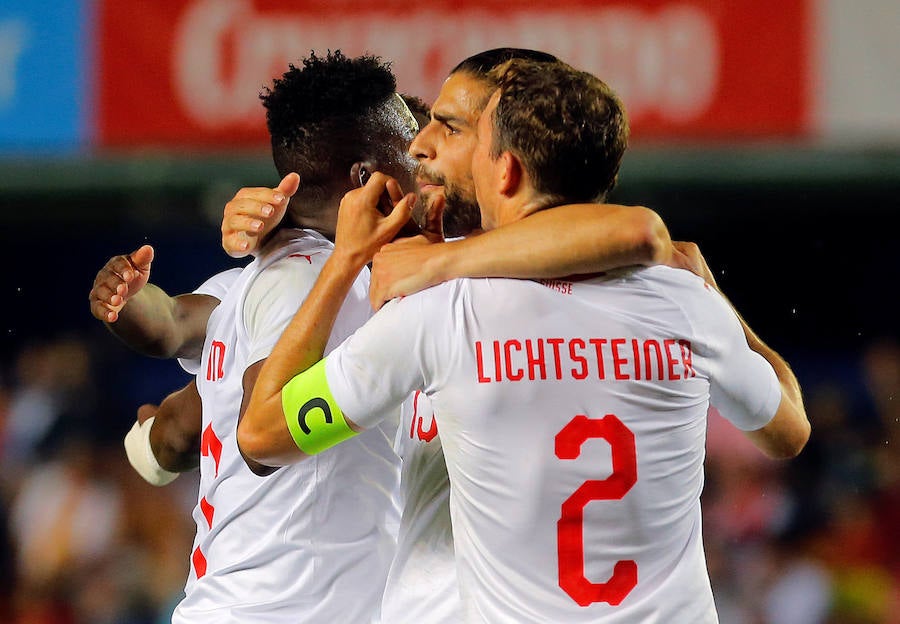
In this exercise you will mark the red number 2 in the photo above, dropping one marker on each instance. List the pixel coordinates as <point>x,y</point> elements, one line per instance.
<point>570,528</point>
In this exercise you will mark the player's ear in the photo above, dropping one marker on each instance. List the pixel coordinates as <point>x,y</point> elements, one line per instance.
<point>510,174</point>
<point>361,171</point>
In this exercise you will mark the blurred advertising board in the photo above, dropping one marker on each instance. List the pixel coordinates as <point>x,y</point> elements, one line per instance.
<point>189,72</point>
<point>43,64</point>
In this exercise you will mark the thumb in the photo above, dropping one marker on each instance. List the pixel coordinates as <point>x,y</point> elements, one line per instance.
<point>141,258</point>
<point>402,211</point>
<point>289,184</point>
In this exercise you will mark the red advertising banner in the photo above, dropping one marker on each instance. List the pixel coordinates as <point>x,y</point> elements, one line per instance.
<point>189,72</point>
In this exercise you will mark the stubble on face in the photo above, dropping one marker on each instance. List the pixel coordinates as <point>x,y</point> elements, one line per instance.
<point>458,208</point>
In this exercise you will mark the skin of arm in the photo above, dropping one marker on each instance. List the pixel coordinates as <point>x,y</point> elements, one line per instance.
<point>175,435</point>
<point>788,431</point>
<point>144,316</point>
<point>543,245</point>
<point>263,435</point>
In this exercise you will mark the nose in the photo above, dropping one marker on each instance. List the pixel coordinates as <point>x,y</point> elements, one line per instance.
<point>422,146</point>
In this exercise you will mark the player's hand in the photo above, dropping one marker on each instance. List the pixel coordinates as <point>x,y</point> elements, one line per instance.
<point>119,279</point>
<point>402,268</point>
<point>687,256</point>
<point>361,228</point>
<point>253,213</point>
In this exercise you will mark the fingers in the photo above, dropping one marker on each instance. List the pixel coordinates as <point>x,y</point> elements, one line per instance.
<point>120,277</point>
<point>394,190</point>
<point>401,213</point>
<point>253,213</point>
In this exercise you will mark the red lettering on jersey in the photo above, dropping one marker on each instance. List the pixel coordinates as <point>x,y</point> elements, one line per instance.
<point>535,358</point>
<point>555,342</point>
<point>208,511</point>
<point>618,360</point>
<point>308,257</point>
<point>561,287</point>
<point>215,365</point>
<point>635,349</point>
<point>426,436</point>
<point>651,359</point>
<point>211,445</point>
<point>497,371</point>
<point>648,361</point>
<point>479,356</point>
<point>415,426</point>
<point>670,361</point>
<point>687,358</point>
<point>507,352</point>
<point>578,359</point>
<point>199,562</point>
<point>570,527</point>
<point>598,346</point>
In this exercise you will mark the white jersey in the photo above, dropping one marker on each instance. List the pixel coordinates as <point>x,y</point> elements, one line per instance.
<point>422,586</point>
<point>573,418</point>
<point>216,286</point>
<point>312,542</point>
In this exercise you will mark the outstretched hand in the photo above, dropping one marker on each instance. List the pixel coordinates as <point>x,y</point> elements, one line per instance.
<point>120,279</point>
<point>361,228</point>
<point>253,213</point>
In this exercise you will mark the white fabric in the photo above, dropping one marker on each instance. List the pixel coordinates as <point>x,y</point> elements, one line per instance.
<point>216,286</point>
<point>422,586</point>
<point>141,457</point>
<point>311,542</point>
<point>500,438</point>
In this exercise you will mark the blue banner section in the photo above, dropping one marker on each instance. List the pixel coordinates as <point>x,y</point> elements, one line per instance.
<point>43,75</point>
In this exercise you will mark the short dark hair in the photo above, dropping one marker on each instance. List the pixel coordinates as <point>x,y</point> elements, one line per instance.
<point>566,127</point>
<point>483,63</point>
<point>321,117</point>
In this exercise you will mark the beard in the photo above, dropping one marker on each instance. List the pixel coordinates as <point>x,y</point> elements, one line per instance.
<point>460,212</point>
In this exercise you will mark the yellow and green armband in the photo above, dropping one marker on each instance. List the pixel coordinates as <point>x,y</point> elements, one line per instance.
<point>313,417</point>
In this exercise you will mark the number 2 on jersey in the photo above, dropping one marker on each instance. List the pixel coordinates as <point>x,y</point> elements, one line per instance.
<point>570,528</point>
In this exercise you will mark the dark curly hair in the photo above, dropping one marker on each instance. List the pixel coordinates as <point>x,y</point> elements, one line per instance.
<point>567,127</point>
<point>323,116</point>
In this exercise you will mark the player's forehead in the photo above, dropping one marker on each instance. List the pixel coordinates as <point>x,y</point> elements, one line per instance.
<point>461,98</point>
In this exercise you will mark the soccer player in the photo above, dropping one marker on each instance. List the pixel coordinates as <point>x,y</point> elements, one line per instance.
<point>422,583</point>
<point>572,414</point>
<point>306,543</point>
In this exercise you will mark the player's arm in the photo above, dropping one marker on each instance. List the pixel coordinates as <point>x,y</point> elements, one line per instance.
<point>569,240</point>
<point>292,380</point>
<point>144,316</point>
<point>165,439</point>
<point>788,431</point>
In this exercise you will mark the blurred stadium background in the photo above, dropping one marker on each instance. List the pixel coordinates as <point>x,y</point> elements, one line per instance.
<point>768,131</point>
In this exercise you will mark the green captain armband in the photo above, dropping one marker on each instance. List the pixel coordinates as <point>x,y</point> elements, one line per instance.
<point>313,417</point>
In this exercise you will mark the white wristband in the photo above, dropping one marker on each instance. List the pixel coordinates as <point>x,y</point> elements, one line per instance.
<point>141,457</point>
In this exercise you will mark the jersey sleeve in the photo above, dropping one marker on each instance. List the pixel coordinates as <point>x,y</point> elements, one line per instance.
<point>371,373</point>
<point>216,286</point>
<point>271,302</point>
<point>743,385</point>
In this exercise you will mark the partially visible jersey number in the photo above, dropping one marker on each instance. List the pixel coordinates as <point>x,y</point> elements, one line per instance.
<point>570,528</point>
